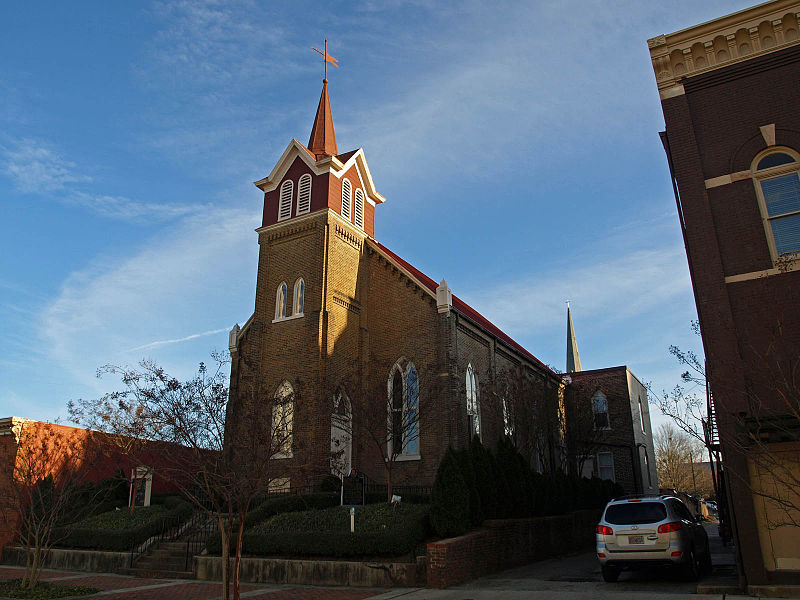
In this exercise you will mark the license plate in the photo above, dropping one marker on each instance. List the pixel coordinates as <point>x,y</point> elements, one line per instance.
<point>636,539</point>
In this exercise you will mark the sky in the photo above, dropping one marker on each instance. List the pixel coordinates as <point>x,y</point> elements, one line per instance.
<point>516,144</point>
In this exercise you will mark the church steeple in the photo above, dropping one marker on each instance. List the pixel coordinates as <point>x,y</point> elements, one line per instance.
<point>323,138</point>
<point>573,358</point>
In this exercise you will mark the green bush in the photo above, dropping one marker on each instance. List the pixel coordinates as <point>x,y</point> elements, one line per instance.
<point>450,513</point>
<point>468,473</point>
<point>118,530</point>
<point>290,503</point>
<point>381,530</point>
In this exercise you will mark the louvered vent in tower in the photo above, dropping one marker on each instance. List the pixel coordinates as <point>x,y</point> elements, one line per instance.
<point>304,194</point>
<point>285,205</point>
<point>359,209</point>
<point>347,194</point>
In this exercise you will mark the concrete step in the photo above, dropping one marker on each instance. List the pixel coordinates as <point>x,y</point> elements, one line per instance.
<point>155,573</point>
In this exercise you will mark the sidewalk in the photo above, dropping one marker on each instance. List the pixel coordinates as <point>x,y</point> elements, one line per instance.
<point>123,587</point>
<point>724,578</point>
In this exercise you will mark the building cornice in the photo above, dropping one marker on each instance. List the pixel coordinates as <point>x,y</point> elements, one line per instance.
<point>731,39</point>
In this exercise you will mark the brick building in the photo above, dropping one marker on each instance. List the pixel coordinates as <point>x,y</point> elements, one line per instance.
<point>608,423</point>
<point>348,342</point>
<point>729,92</point>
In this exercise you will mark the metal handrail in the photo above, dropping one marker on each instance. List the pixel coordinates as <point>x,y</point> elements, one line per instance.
<point>169,529</point>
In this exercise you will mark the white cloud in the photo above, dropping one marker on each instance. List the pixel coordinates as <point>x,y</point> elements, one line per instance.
<point>614,289</point>
<point>199,271</point>
<point>35,168</point>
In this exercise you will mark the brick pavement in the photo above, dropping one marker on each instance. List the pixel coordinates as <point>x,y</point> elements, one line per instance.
<point>123,587</point>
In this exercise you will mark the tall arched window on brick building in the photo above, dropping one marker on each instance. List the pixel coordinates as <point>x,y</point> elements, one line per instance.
<point>403,423</point>
<point>299,297</point>
<point>280,301</point>
<point>776,173</point>
<point>341,435</point>
<point>473,406</point>
<point>285,202</point>
<point>282,420</point>
<point>600,411</point>
<point>347,197</point>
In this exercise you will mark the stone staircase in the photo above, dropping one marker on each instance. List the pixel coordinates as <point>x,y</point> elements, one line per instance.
<point>165,561</point>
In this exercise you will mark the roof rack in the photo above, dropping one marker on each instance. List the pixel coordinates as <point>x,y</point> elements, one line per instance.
<point>632,496</point>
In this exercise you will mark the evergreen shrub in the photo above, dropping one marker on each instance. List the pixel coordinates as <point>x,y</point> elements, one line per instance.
<point>450,512</point>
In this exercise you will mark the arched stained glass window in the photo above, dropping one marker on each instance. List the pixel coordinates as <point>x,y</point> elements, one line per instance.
<point>473,407</point>
<point>280,301</point>
<point>404,415</point>
<point>299,293</point>
<point>600,410</point>
<point>282,421</point>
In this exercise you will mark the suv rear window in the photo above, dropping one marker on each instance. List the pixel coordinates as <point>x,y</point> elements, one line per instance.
<point>635,512</point>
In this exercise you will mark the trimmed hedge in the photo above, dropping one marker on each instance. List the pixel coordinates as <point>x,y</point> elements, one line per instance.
<point>92,534</point>
<point>399,538</point>
<point>290,503</point>
<point>450,500</point>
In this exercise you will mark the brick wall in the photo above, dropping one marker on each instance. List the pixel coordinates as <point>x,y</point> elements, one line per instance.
<point>503,544</point>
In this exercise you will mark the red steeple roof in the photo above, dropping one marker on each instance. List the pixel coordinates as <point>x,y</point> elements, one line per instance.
<point>323,138</point>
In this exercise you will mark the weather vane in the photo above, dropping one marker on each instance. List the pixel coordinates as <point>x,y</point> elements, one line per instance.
<point>326,58</point>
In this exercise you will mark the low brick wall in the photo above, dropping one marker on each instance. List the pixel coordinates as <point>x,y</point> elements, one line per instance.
<point>72,560</point>
<point>507,543</point>
<point>318,572</point>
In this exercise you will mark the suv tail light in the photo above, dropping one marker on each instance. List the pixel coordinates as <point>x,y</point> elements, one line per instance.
<point>669,527</point>
<point>604,530</point>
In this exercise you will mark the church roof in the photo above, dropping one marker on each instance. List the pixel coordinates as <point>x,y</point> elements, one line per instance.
<point>323,137</point>
<point>462,307</point>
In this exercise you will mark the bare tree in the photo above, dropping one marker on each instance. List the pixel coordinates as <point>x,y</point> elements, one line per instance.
<point>220,474</point>
<point>680,461</point>
<point>43,489</point>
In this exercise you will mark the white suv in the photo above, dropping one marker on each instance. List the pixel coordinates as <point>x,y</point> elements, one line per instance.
<point>644,531</point>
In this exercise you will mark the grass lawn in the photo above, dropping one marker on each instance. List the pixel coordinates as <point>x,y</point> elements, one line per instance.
<point>43,591</point>
<point>370,518</point>
<point>116,520</point>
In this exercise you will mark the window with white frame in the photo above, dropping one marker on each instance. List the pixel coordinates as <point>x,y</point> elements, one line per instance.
<point>605,465</point>
<point>600,411</point>
<point>359,208</point>
<point>299,293</point>
<point>647,468</point>
<point>473,405</point>
<point>776,174</point>
<point>403,411</point>
<point>283,420</point>
<point>641,414</point>
<point>347,197</point>
<point>280,301</point>
<point>304,194</point>
<point>285,202</point>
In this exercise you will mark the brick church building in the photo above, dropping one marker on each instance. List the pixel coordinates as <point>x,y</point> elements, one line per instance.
<point>365,362</point>
<point>359,354</point>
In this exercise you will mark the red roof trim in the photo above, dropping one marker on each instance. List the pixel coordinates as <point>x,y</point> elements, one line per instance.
<point>464,308</point>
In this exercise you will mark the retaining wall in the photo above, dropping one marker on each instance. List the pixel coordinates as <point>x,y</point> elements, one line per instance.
<point>503,544</point>
<point>73,560</point>
<point>318,572</point>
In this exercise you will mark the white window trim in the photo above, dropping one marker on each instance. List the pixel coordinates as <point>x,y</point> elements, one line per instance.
<point>307,209</point>
<point>476,416</point>
<point>289,185</point>
<point>347,200</point>
<point>278,316</point>
<point>758,177</point>
<point>359,195</point>
<point>297,283</point>
<point>289,318</point>
<point>613,467</point>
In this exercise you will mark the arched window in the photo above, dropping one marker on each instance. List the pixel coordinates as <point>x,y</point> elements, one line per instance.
<point>641,415</point>
<point>299,293</point>
<point>600,411</point>
<point>304,194</point>
<point>282,421</point>
<point>776,175</point>
<point>280,301</point>
<point>285,203</point>
<point>359,208</point>
<point>473,407</point>
<point>347,196</point>
<point>341,435</point>
<point>508,420</point>
<point>404,413</point>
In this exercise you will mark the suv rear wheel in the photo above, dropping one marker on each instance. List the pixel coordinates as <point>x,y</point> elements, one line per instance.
<point>691,570</point>
<point>705,562</point>
<point>610,574</point>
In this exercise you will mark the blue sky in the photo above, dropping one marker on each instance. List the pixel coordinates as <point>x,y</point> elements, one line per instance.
<point>516,144</point>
